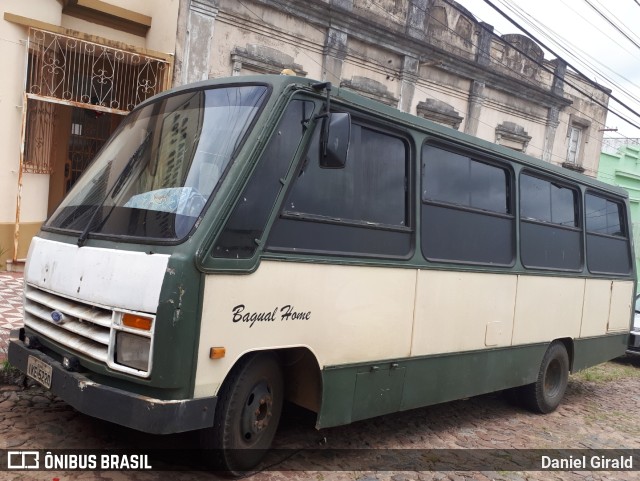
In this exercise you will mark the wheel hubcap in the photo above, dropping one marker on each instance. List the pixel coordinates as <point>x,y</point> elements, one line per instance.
<point>257,411</point>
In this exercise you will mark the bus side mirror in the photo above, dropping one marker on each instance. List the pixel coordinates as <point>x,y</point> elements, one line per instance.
<point>334,143</point>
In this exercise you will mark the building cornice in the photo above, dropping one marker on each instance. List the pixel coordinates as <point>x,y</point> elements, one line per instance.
<point>398,41</point>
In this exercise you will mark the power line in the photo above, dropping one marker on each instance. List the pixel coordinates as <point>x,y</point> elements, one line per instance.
<point>519,74</point>
<point>542,65</point>
<point>629,30</point>
<point>582,56</point>
<point>555,37</point>
<point>552,72</point>
<point>613,24</point>
<point>504,64</point>
<point>524,30</point>
<point>609,80</point>
<point>394,73</point>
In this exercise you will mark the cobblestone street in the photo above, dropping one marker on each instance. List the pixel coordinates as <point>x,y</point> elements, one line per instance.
<point>599,412</point>
<point>10,307</point>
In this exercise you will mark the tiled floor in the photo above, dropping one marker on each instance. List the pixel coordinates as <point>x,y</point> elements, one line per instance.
<point>10,307</point>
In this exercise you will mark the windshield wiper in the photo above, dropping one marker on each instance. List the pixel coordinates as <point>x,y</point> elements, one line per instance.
<point>115,188</point>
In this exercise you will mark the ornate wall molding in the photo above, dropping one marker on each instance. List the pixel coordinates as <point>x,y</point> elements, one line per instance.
<point>440,112</point>
<point>370,88</point>
<point>513,136</point>
<point>262,59</point>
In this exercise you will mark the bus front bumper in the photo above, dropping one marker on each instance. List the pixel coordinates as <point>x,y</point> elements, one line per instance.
<point>155,416</point>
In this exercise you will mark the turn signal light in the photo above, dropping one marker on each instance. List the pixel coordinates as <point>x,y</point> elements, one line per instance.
<point>217,352</point>
<point>137,322</point>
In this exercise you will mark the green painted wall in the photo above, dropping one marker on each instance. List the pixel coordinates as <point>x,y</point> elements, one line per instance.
<point>623,169</point>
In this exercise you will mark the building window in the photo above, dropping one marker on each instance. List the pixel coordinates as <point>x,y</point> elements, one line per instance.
<point>573,150</point>
<point>577,137</point>
<point>66,70</point>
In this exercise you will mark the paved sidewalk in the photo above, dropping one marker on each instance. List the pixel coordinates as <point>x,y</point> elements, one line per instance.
<point>10,307</point>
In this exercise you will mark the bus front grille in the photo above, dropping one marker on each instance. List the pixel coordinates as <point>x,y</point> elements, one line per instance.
<point>81,327</point>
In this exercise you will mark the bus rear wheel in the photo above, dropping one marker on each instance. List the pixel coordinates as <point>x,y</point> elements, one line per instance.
<point>247,414</point>
<point>544,395</point>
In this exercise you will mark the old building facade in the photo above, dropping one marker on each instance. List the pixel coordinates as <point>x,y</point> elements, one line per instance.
<point>427,57</point>
<point>74,69</point>
<point>80,65</point>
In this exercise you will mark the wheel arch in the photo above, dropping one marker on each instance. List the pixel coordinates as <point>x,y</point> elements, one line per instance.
<point>302,375</point>
<point>569,346</point>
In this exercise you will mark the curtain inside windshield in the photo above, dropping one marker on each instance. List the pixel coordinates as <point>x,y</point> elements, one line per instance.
<point>155,176</point>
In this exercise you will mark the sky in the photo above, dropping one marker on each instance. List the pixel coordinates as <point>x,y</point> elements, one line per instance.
<point>603,54</point>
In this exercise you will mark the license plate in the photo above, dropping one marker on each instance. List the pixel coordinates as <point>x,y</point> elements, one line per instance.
<point>40,371</point>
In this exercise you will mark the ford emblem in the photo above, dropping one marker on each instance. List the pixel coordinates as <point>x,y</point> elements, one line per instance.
<point>57,317</point>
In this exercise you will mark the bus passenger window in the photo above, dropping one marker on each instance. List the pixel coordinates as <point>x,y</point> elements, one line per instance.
<point>604,216</point>
<point>359,209</point>
<point>608,249</point>
<point>466,212</point>
<point>545,201</point>
<point>550,234</point>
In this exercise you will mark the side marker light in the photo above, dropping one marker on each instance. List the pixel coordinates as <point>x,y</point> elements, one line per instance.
<point>217,352</point>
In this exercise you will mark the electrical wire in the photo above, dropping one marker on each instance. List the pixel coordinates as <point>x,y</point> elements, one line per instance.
<point>613,24</point>
<point>525,79</point>
<point>544,67</point>
<point>550,71</point>
<point>525,31</point>
<point>629,30</point>
<point>582,56</point>
<point>556,38</point>
<point>394,73</point>
<point>546,31</point>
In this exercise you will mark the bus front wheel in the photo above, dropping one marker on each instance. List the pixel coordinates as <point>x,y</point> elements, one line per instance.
<point>247,413</point>
<point>544,395</point>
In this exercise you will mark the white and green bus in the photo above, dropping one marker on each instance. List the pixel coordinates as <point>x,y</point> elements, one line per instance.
<point>241,242</point>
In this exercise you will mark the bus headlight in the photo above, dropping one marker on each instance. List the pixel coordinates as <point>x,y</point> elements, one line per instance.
<point>133,351</point>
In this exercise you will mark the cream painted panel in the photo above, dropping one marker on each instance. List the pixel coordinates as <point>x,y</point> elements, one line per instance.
<point>595,313</point>
<point>547,308</point>
<point>620,313</point>
<point>344,314</point>
<point>106,277</point>
<point>458,311</point>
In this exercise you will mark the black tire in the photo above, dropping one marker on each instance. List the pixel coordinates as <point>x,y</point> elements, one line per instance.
<point>247,414</point>
<point>545,395</point>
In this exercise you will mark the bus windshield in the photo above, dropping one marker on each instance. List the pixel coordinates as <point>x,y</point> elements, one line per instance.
<point>154,177</point>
